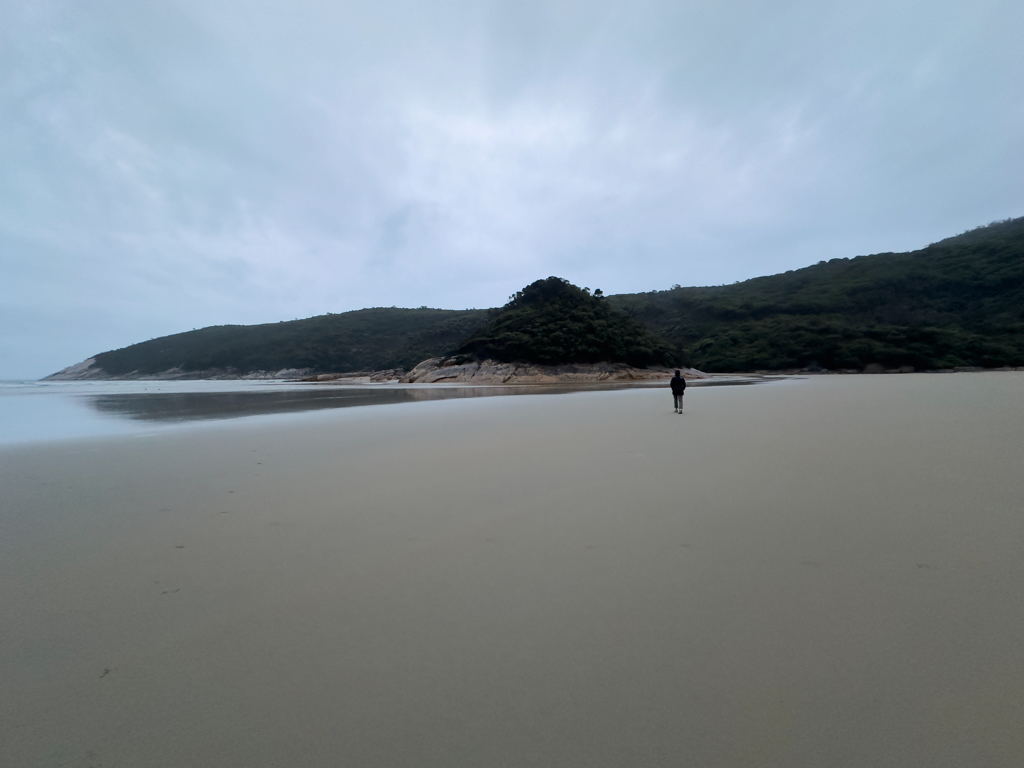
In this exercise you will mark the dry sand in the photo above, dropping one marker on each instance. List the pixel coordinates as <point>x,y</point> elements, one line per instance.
<point>825,572</point>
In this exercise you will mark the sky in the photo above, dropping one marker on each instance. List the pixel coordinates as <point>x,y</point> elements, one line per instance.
<point>169,165</point>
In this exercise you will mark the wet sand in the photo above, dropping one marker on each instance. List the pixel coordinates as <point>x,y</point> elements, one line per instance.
<point>824,572</point>
<point>47,411</point>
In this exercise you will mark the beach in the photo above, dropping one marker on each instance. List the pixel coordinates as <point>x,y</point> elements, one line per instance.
<point>813,572</point>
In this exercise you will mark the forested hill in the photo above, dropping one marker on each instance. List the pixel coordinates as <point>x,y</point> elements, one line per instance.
<point>553,322</point>
<point>364,340</point>
<point>958,302</point>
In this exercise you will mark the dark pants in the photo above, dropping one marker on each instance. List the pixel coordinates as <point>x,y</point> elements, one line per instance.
<point>678,401</point>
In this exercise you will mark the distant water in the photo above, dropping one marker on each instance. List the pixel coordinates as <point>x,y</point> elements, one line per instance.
<point>41,411</point>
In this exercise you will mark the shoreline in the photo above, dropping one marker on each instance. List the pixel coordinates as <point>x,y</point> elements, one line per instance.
<point>398,375</point>
<point>39,412</point>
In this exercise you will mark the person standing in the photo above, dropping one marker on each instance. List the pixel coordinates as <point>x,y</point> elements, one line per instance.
<point>678,385</point>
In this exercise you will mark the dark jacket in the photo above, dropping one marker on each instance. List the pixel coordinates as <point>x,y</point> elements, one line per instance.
<point>678,384</point>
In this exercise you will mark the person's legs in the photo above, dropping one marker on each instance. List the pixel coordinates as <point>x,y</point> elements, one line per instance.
<point>677,402</point>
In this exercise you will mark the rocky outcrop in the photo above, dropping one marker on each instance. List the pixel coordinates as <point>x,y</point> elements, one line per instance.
<point>90,370</point>
<point>87,369</point>
<point>437,370</point>
<point>359,377</point>
<point>457,370</point>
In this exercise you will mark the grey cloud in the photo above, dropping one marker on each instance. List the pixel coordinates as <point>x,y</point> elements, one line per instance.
<point>176,164</point>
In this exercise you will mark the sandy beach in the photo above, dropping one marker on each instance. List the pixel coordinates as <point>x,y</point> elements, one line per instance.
<point>808,573</point>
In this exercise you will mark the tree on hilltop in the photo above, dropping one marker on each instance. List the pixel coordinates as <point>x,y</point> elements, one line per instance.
<point>553,322</point>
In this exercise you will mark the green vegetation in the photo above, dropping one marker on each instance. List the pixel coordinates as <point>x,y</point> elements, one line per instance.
<point>553,322</point>
<point>365,340</point>
<point>958,302</point>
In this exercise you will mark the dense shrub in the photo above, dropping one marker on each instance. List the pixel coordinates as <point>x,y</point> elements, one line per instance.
<point>553,322</point>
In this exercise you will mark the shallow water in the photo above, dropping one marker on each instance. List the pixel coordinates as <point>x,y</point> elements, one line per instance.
<point>42,411</point>
<point>32,411</point>
<point>820,572</point>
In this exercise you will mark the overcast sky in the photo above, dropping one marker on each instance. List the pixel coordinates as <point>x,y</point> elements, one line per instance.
<point>171,165</point>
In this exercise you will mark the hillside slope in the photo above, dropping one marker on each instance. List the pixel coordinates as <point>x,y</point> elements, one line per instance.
<point>363,340</point>
<point>958,302</point>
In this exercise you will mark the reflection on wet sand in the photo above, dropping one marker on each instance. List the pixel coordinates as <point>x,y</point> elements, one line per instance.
<point>195,406</point>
